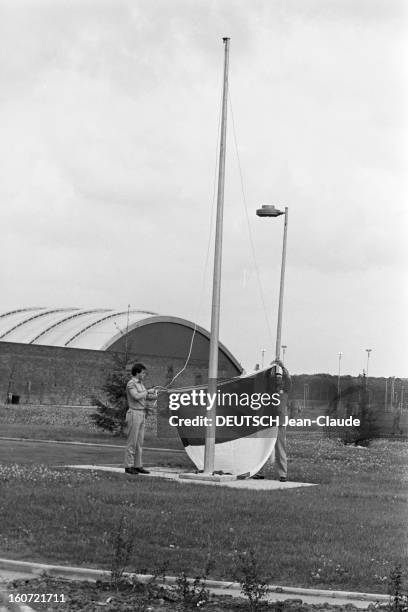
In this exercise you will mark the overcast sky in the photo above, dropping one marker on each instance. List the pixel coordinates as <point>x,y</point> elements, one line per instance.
<point>108,121</point>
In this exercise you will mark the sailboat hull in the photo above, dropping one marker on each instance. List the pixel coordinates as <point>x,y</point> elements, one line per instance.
<point>246,413</point>
<point>243,457</point>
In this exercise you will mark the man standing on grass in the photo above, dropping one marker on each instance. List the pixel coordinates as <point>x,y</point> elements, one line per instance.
<point>136,394</point>
<point>282,386</point>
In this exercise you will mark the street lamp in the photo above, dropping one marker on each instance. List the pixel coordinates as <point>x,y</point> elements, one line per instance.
<point>284,347</point>
<point>368,351</point>
<point>268,210</point>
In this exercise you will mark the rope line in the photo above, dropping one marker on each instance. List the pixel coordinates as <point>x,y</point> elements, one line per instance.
<point>248,224</point>
<point>159,387</point>
<point>207,257</point>
<point>244,200</point>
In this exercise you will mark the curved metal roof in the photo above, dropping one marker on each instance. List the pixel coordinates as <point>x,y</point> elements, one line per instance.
<point>88,328</point>
<point>84,328</point>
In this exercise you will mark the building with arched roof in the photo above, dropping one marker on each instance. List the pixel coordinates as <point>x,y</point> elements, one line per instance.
<point>63,355</point>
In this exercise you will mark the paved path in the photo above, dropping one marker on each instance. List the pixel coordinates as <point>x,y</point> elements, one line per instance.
<point>7,575</point>
<point>173,474</point>
<point>17,569</point>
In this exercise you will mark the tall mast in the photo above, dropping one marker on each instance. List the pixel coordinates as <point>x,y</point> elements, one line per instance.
<point>216,294</point>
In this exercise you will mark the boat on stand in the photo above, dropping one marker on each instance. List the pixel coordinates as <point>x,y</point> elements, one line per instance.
<point>230,431</point>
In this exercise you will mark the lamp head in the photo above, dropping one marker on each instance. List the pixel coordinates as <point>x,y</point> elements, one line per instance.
<point>268,210</point>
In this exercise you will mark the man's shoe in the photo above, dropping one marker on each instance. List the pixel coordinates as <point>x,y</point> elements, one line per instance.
<point>282,479</point>
<point>131,470</point>
<point>141,470</point>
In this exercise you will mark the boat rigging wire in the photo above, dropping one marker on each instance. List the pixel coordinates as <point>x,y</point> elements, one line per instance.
<point>248,223</point>
<point>244,200</point>
<point>207,257</point>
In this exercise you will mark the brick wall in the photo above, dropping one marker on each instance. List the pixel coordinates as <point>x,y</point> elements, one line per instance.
<point>51,375</point>
<point>67,376</point>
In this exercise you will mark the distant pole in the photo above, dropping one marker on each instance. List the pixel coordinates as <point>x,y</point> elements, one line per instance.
<point>281,289</point>
<point>284,347</point>
<point>368,351</point>
<point>263,357</point>
<point>216,294</point>
<point>386,395</point>
<point>305,395</point>
<point>338,375</point>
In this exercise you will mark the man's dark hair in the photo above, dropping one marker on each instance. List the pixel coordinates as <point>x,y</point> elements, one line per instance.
<point>137,368</point>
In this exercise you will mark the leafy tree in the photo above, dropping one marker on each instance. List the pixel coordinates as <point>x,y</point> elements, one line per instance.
<point>368,428</point>
<point>356,400</point>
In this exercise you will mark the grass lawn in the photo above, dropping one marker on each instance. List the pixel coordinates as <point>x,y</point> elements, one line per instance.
<point>348,533</point>
<point>70,434</point>
<point>51,455</point>
<point>64,423</point>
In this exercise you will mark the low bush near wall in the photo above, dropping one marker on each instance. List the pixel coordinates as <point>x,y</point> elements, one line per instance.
<point>54,416</point>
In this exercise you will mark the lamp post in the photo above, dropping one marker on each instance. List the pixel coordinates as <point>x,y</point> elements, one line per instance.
<point>368,351</point>
<point>284,347</point>
<point>270,211</point>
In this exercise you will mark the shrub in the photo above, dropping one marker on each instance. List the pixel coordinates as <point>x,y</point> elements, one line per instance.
<point>192,593</point>
<point>122,542</point>
<point>112,406</point>
<point>248,573</point>
<point>399,597</point>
